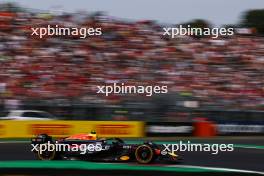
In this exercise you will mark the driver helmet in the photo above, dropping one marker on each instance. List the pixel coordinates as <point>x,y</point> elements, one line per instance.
<point>93,135</point>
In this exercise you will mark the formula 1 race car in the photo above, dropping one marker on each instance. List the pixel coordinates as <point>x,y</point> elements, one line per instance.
<point>88,148</point>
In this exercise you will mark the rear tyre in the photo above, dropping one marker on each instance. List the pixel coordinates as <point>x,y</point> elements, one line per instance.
<point>144,154</point>
<point>46,154</point>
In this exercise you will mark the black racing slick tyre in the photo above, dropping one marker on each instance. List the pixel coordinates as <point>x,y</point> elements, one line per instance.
<point>46,154</point>
<point>144,154</point>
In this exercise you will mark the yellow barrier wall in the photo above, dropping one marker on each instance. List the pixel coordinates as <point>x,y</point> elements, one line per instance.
<point>59,128</point>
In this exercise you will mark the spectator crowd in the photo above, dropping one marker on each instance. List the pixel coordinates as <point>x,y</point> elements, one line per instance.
<point>224,72</point>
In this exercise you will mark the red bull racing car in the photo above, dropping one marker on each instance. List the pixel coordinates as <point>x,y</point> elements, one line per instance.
<point>88,147</point>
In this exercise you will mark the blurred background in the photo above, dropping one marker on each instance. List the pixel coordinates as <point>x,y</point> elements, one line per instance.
<point>220,79</point>
<point>215,86</point>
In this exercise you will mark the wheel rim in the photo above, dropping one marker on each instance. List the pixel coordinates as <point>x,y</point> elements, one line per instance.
<point>144,154</point>
<point>46,155</point>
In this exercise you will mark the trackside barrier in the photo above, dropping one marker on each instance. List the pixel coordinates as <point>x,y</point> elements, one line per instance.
<point>238,129</point>
<point>200,128</point>
<point>59,128</point>
<point>204,128</point>
<point>169,129</point>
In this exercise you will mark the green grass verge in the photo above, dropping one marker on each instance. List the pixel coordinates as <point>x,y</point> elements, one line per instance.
<point>96,166</point>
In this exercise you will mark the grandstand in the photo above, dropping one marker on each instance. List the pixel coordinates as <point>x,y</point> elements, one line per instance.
<point>226,73</point>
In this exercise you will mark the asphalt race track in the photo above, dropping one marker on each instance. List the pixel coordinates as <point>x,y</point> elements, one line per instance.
<point>242,158</point>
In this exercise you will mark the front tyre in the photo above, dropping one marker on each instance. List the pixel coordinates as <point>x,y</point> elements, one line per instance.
<point>144,154</point>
